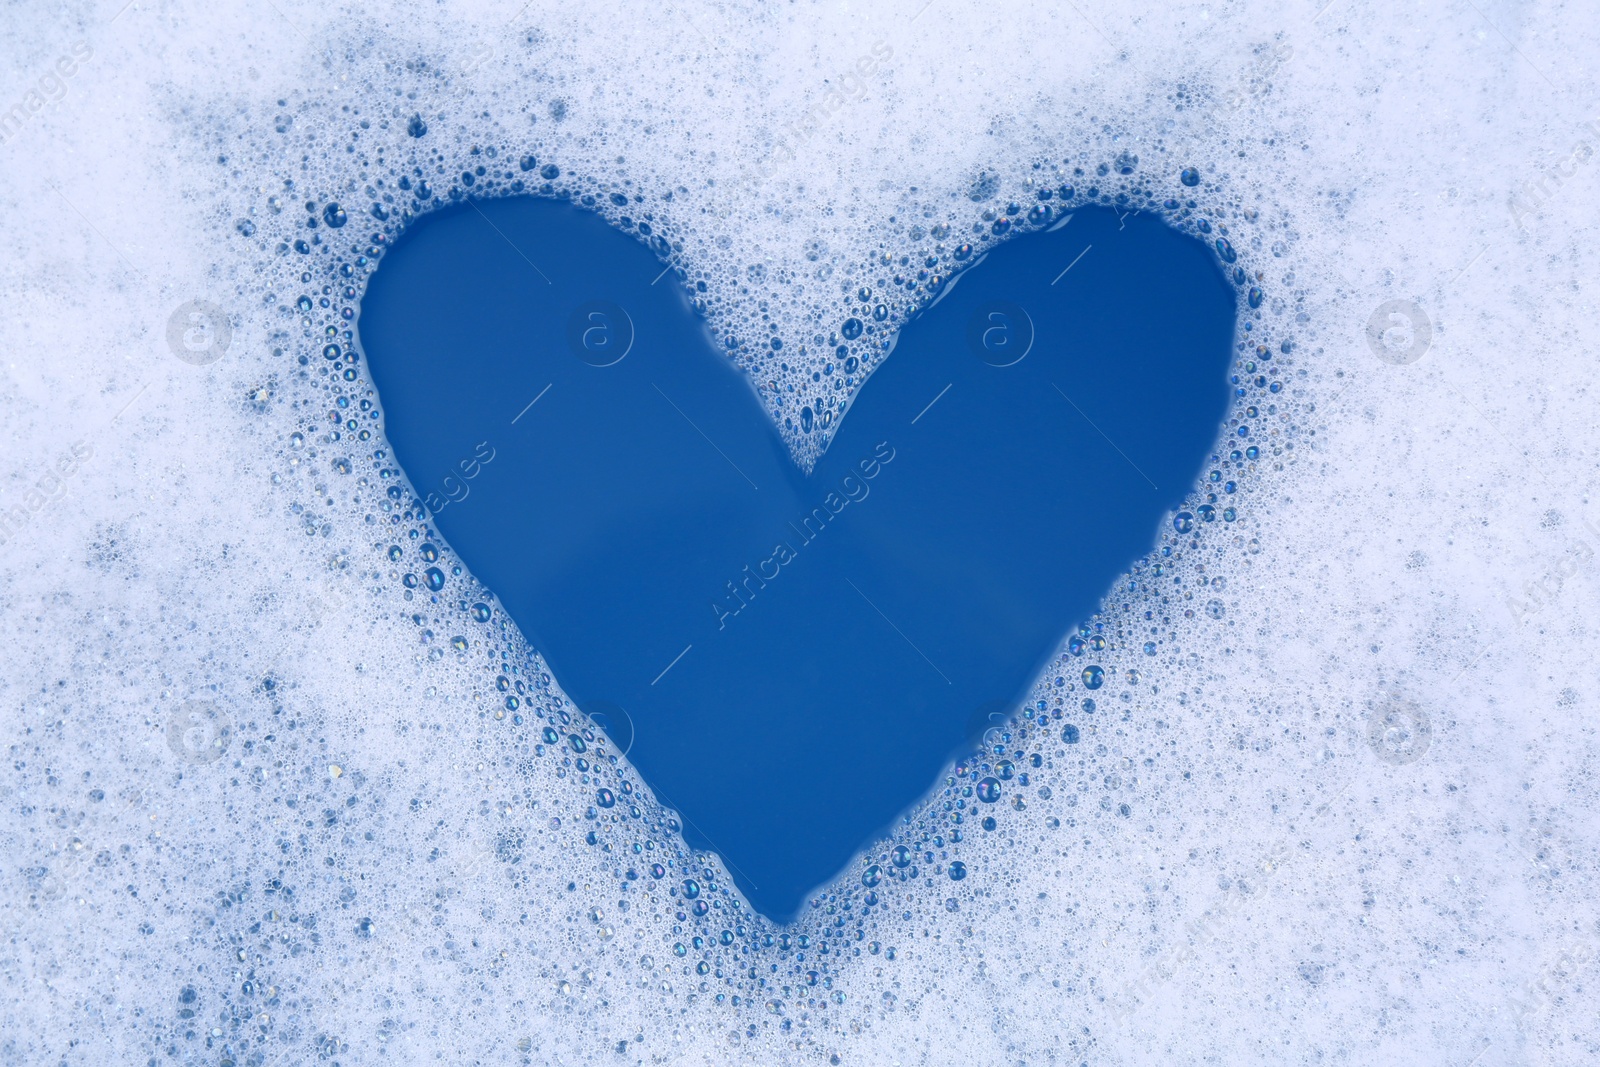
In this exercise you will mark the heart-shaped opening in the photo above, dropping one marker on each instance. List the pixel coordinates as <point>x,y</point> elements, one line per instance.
<point>791,658</point>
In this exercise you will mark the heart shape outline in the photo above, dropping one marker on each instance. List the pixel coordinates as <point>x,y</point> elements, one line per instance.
<point>411,323</point>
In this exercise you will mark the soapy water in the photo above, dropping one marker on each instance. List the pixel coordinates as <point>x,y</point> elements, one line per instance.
<point>268,804</point>
<point>929,562</point>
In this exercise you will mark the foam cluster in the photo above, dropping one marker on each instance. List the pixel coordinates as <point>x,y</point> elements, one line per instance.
<point>284,784</point>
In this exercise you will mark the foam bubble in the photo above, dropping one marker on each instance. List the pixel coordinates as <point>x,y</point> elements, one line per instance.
<point>1316,782</point>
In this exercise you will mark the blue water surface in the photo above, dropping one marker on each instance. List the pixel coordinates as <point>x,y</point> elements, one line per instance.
<point>790,660</point>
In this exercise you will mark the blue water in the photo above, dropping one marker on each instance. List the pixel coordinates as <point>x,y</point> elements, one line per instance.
<point>790,660</point>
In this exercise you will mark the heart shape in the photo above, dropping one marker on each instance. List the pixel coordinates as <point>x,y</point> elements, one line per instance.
<point>791,658</point>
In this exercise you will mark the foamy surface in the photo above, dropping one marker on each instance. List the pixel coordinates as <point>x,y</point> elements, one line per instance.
<point>262,808</point>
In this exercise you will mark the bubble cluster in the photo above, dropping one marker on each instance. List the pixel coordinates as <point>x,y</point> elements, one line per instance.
<point>282,754</point>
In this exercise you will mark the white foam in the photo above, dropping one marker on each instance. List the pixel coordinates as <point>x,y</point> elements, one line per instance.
<point>1277,891</point>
